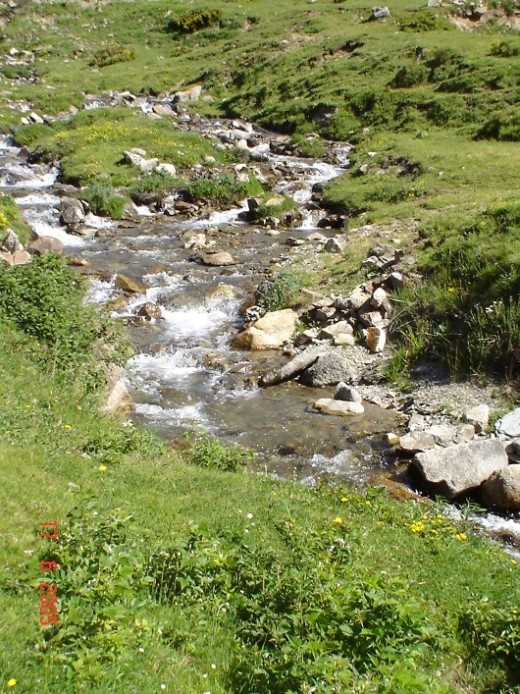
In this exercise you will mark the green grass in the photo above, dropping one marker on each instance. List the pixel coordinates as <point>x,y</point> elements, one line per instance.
<point>182,569</point>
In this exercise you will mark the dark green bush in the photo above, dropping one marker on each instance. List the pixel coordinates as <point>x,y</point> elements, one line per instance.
<point>194,21</point>
<point>223,188</point>
<point>423,20</point>
<point>103,199</point>
<point>503,126</point>
<point>112,55</point>
<point>410,76</point>
<point>44,299</point>
<point>158,182</point>
<point>505,49</point>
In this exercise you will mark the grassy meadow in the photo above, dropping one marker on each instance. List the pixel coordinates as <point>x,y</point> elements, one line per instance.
<point>181,569</point>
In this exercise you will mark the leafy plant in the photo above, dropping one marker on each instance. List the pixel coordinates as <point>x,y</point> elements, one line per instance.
<point>194,21</point>
<point>207,451</point>
<point>223,188</point>
<point>103,199</point>
<point>282,291</point>
<point>112,55</point>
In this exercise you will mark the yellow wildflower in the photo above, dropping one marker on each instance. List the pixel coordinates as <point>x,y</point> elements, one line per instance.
<point>338,520</point>
<point>11,682</point>
<point>102,468</point>
<point>343,499</point>
<point>461,536</point>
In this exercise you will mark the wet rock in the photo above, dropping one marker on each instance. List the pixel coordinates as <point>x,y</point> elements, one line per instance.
<point>10,243</point>
<point>330,369</point>
<point>193,239</point>
<point>72,212</point>
<point>45,244</point>
<point>215,258</point>
<point>502,489</point>
<point>347,393</point>
<point>183,207</point>
<point>129,285</point>
<point>375,339</point>
<point>149,311</point>
<point>478,416</point>
<point>219,293</point>
<point>294,367</point>
<point>270,332</point>
<point>455,470</point>
<point>508,427</point>
<point>338,407</point>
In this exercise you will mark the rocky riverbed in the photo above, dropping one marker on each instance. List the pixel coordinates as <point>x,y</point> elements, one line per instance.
<point>302,386</point>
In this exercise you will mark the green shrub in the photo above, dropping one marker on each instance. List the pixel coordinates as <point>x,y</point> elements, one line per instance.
<point>9,212</point>
<point>505,49</point>
<point>207,451</point>
<point>223,188</point>
<point>503,126</point>
<point>308,146</point>
<point>103,199</point>
<point>282,291</point>
<point>159,182</point>
<point>112,55</point>
<point>422,20</point>
<point>194,21</point>
<point>410,76</point>
<point>44,299</point>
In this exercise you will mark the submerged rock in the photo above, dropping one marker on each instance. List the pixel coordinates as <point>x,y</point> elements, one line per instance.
<point>127,284</point>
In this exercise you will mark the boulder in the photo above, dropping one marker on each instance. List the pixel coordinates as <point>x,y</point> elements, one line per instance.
<point>455,470</point>
<point>335,245</point>
<point>215,258</point>
<point>508,427</point>
<point>416,441</point>
<point>513,451</point>
<point>127,284</point>
<point>270,332</point>
<point>347,393</point>
<point>136,159</point>
<point>502,489</point>
<point>330,368</point>
<point>72,212</point>
<point>292,368</point>
<point>20,258</point>
<point>116,397</point>
<point>167,169</point>
<point>380,12</point>
<point>192,94</point>
<point>359,297</point>
<point>478,416</point>
<point>45,244</point>
<point>10,243</point>
<point>329,332</point>
<point>338,407</point>
<point>221,292</point>
<point>149,311</point>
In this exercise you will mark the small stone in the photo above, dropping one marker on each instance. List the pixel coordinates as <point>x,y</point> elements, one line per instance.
<point>478,416</point>
<point>344,340</point>
<point>127,284</point>
<point>216,258</point>
<point>150,311</point>
<point>335,245</point>
<point>347,393</point>
<point>392,439</point>
<point>416,441</point>
<point>10,243</point>
<point>379,297</point>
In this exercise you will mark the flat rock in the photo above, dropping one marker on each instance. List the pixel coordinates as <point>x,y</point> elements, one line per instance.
<point>416,441</point>
<point>502,489</point>
<point>455,470</point>
<point>293,367</point>
<point>217,258</point>
<point>338,407</point>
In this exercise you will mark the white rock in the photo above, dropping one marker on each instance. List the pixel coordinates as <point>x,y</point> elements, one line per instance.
<point>338,407</point>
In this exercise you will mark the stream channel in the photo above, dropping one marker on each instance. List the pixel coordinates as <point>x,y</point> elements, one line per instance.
<point>184,374</point>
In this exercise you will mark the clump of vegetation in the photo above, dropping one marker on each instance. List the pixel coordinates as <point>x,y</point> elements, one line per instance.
<point>423,20</point>
<point>268,208</point>
<point>468,311</point>
<point>10,217</point>
<point>112,55</point>
<point>207,451</point>
<point>223,188</point>
<point>44,299</point>
<point>194,21</point>
<point>504,126</point>
<point>505,49</point>
<point>160,183</point>
<point>283,291</point>
<point>410,76</point>
<point>308,145</point>
<point>103,199</point>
